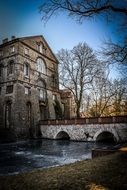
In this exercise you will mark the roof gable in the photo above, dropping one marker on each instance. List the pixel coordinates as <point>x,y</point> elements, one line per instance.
<point>32,41</point>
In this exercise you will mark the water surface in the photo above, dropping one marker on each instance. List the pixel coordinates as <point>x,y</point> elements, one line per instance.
<point>27,155</point>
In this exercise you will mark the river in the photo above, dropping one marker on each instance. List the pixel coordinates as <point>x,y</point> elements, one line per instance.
<point>27,155</point>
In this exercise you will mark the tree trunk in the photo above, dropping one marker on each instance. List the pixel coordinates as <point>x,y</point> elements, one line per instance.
<point>78,111</point>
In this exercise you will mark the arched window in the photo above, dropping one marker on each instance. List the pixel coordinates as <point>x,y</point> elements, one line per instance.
<point>8,114</point>
<point>42,90</point>
<point>41,67</point>
<point>10,67</point>
<point>26,69</point>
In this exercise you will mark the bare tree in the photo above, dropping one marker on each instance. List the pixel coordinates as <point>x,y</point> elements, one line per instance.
<point>116,53</point>
<point>120,97</point>
<point>107,97</point>
<point>100,93</point>
<point>77,70</point>
<point>81,9</point>
<point>111,10</point>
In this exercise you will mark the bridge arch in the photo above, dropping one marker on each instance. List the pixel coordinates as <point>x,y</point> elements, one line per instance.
<point>106,136</point>
<point>62,135</point>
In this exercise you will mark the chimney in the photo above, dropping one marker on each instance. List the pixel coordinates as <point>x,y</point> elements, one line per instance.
<point>13,37</point>
<point>5,40</point>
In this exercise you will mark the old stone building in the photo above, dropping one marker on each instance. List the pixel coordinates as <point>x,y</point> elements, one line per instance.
<point>29,85</point>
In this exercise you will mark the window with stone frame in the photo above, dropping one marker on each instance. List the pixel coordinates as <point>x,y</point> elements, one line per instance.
<point>12,49</point>
<point>10,67</point>
<point>41,66</point>
<point>26,51</point>
<point>42,94</point>
<point>54,80</point>
<point>42,90</point>
<point>54,97</point>
<point>9,89</point>
<point>27,90</point>
<point>41,48</point>
<point>26,69</point>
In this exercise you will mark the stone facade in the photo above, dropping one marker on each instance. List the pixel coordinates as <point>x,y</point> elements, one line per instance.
<point>29,85</point>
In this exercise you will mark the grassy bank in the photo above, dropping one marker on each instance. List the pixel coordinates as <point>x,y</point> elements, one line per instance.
<point>109,172</point>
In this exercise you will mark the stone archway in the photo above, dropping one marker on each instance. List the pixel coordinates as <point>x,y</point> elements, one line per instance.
<point>62,135</point>
<point>105,136</point>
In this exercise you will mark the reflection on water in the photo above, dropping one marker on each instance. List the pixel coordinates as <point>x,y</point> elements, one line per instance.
<point>27,155</point>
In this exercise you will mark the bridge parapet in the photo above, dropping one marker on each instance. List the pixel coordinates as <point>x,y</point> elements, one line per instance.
<point>90,120</point>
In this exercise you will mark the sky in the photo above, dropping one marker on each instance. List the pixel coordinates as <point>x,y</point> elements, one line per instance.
<point>22,18</point>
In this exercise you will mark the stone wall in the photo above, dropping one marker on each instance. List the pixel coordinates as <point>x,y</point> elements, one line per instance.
<point>21,121</point>
<point>86,132</point>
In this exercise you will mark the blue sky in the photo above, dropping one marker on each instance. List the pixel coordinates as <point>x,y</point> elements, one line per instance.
<point>22,18</point>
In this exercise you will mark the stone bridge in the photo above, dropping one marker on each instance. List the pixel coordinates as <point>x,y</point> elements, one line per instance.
<point>86,129</point>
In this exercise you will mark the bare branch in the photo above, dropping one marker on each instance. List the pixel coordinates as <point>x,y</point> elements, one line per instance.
<point>77,70</point>
<point>81,9</point>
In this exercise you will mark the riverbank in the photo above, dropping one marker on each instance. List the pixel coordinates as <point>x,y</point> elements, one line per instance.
<point>108,172</point>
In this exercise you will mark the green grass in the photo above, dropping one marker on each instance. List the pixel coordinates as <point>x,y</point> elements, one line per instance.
<point>109,172</point>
